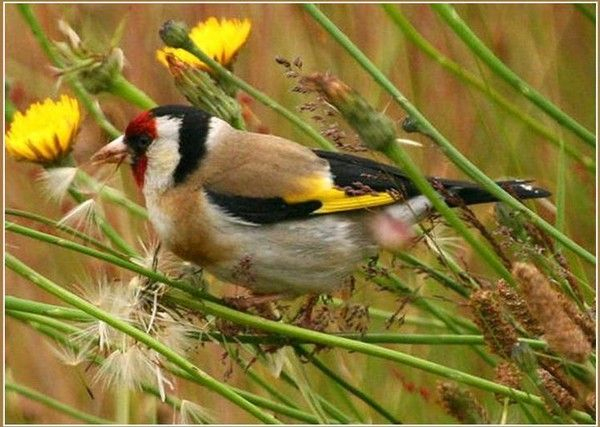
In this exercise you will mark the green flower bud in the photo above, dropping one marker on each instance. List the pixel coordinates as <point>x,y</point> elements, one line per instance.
<point>376,130</point>
<point>175,34</point>
<point>202,91</point>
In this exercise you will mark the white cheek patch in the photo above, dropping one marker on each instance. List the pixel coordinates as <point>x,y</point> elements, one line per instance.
<point>163,155</point>
<point>217,128</point>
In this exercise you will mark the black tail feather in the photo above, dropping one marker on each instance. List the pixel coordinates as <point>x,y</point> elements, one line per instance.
<point>459,192</point>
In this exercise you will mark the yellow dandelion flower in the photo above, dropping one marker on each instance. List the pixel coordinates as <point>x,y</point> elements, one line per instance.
<point>219,40</point>
<point>46,132</point>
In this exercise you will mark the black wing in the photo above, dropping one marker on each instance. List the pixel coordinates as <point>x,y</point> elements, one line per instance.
<point>262,211</point>
<point>353,171</point>
<point>356,172</point>
<point>360,174</point>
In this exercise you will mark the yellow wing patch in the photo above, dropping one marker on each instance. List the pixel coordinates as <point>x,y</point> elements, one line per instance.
<point>333,199</point>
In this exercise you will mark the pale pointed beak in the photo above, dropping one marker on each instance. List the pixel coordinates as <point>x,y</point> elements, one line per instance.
<point>114,152</point>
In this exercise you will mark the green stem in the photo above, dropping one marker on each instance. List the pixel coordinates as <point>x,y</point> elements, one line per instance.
<point>112,195</point>
<point>123,88</point>
<point>261,97</point>
<point>227,313</point>
<point>122,402</point>
<point>25,231</point>
<point>67,313</point>
<point>224,390</point>
<point>80,92</point>
<point>462,30</point>
<point>37,321</point>
<point>40,308</point>
<point>471,79</point>
<point>369,337</point>
<point>346,385</point>
<point>54,404</point>
<point>409,319</point>
<point>433,273</point>
<point>13,303</point>
<point>73,232</point>
<point>112,235</point>
<point>261,401</point>
<point>449,150</point>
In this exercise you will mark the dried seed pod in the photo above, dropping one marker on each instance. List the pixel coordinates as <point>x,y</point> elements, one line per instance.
<point>558,393</point>
<point>518,307</point>
<point>590,403</point>
<point>461,404</point>
<point>585,322</point>
<point>508,374</point>
<point>560,331</point>
<point>498,333</point>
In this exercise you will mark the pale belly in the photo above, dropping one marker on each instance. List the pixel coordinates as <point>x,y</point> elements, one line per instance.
<point>298,257</point>
<point>312,255</point>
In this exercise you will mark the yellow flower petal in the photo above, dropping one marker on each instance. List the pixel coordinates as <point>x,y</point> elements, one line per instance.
<point>219,40</point>
<point>46,132</point>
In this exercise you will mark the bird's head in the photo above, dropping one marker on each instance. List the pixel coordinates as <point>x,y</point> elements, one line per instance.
<point>164,145</point>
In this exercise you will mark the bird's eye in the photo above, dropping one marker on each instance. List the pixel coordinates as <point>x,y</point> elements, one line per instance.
<point>144,140</point>
<point>139,143</point>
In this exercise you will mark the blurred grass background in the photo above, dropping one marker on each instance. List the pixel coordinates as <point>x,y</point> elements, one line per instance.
<point>550,45</point>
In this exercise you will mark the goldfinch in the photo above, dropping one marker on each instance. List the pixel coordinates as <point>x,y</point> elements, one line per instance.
<point>264,212</point>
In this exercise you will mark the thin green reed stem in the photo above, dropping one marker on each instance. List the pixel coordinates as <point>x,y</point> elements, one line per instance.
<point>112,195</point>
<point>462,30</point>
<point>75,85</point>
<point>73,232</point>
<point>261,401</point>
<point>25,231</point>
<point>15,304</point>
<point>40,320</point>
<point>112,235</point>
<point>471,79</point>
<point>369,337</point>
<point>123,88</point>
<point>54,404</point>
<point>449,150</point>
<point>437,275</point>
<point>44,309</point>
<point>261,97</point>
<point>365,348</point>
<point>224,390</point>
<point>346,385</point>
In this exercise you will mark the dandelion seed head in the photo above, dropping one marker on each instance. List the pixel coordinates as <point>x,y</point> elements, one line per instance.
<point>81,216</point>
<point>192,413</point>
<point>129,367</point>
<point>71,355</point>
<point>55,182</point>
